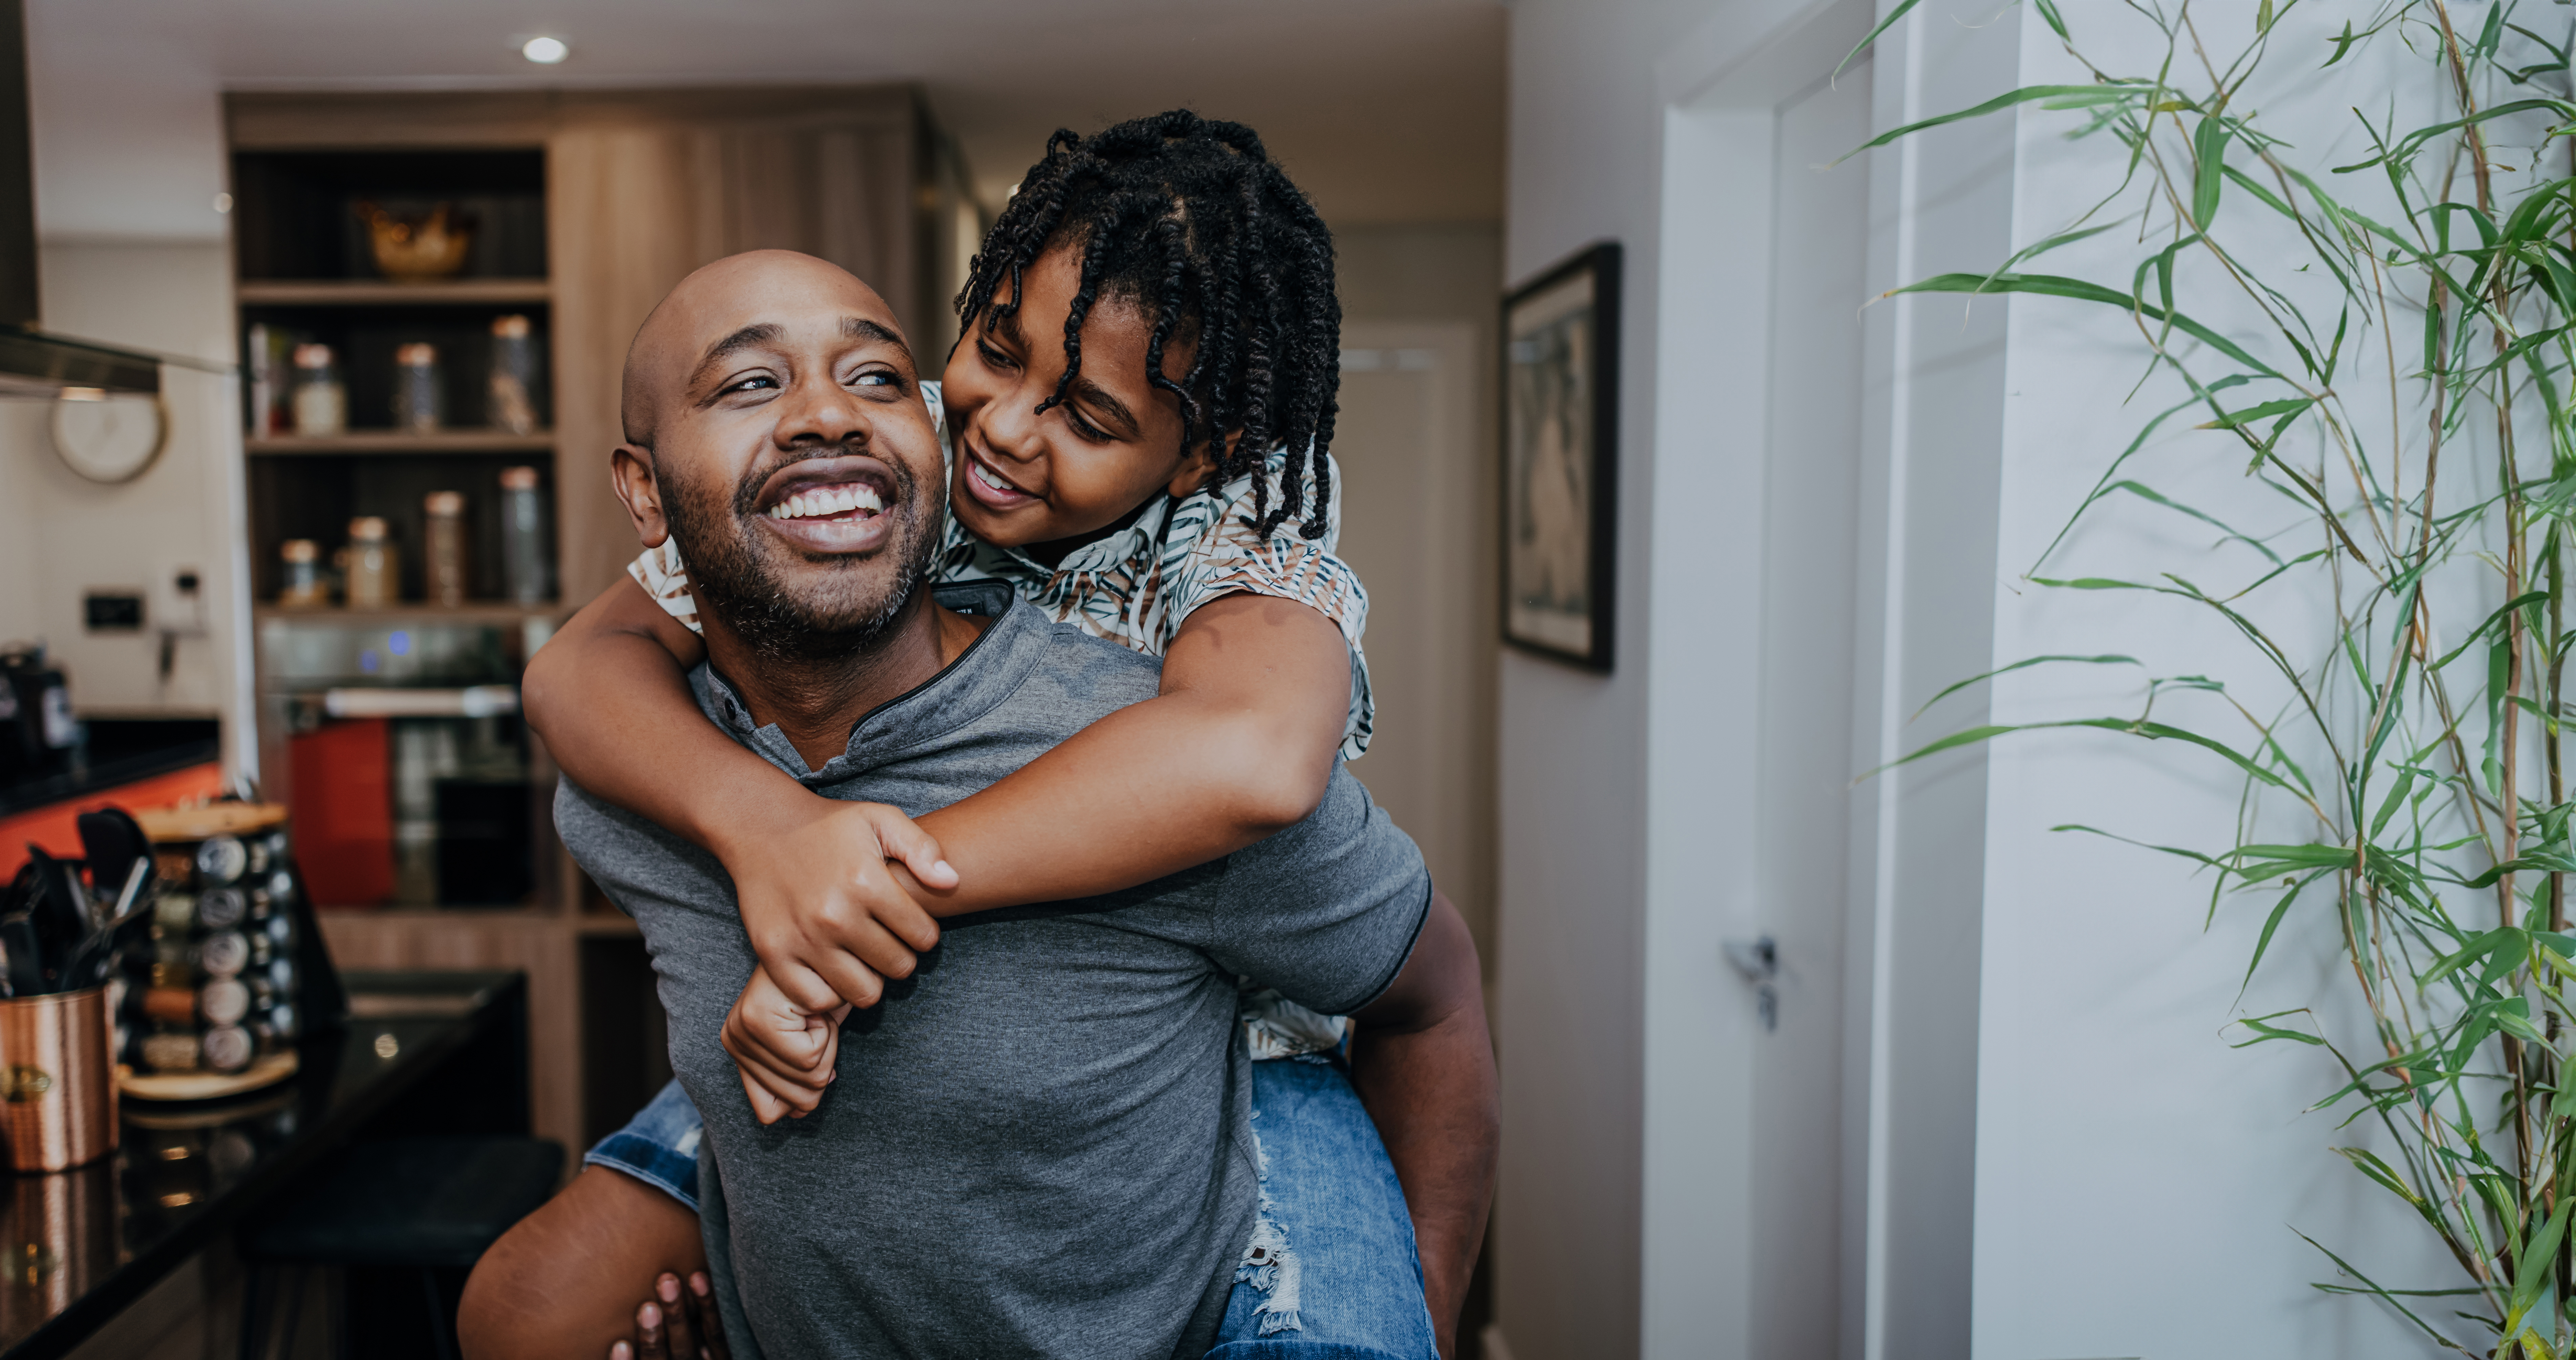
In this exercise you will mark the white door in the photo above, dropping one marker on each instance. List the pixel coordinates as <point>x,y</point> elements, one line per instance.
<point>1805,767</point>
<point>1748,1173</point>
<point>1418,522</point>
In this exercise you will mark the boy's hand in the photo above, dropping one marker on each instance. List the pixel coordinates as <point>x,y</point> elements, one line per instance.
<point>786,1053</point>
<point>826,915</point>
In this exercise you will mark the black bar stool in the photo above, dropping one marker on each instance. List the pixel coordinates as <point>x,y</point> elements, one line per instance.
<point>426,1204</point>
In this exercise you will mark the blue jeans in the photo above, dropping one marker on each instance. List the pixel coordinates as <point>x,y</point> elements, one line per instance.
<point>1331,1272</point>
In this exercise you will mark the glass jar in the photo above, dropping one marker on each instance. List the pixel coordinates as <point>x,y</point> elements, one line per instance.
<point>523,537</point>
<point>370,570</point>
<point>442,548</point>
<point>321,401</point>
<point>302,586</point>
<point>514,375</point>
<point>420,403</point>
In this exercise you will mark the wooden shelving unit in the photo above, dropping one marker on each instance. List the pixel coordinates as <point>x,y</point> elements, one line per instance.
<point>371,293</point>
<point>590,205</point>
<point>395,442</point>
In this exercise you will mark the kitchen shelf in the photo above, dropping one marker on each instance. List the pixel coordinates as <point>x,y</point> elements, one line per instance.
<point>374,293</point>
<point>395,442</point>
<point>334,615</point>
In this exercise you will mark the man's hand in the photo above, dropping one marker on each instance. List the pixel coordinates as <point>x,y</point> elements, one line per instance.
<point>823,908</point>
<point>676,1324</point>
<point>786,1053</point>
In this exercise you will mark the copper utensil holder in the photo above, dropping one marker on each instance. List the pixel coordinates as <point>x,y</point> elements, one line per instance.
<point>57,1080</point>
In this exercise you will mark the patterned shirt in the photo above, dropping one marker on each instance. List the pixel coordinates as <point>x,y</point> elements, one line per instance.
<point>1135,587</point>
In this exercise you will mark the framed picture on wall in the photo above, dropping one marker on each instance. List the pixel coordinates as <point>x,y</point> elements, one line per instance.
<point>1561,458</point>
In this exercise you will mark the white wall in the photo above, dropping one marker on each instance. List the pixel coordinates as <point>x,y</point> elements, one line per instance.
<point>65,535</point>
<point>2111,1111</point>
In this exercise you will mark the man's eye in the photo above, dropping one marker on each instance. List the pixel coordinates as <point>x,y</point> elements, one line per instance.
<point>750,383</point>
<point>876,377</point>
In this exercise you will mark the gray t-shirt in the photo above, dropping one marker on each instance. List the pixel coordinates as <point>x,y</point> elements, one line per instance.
<point>1039,1145</point>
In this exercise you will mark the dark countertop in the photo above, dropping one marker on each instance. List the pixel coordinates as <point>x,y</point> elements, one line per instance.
<point>118,751</point>
<point>424,1053</point>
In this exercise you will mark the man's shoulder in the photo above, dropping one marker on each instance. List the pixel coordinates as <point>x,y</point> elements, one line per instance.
<point>1070,653</point>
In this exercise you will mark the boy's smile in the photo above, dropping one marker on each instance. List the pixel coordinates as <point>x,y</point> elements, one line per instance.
<point>1048,481</point>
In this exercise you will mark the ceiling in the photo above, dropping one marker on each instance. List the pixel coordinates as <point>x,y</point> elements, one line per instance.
<point>1384,110</point>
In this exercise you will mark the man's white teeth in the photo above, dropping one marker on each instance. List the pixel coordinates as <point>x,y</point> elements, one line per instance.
<point>830,500</point>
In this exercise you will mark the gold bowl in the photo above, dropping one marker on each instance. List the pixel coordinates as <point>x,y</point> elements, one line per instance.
<point>418,249</point>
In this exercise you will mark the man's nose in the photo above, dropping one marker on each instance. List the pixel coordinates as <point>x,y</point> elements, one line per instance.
<point>818,410</point>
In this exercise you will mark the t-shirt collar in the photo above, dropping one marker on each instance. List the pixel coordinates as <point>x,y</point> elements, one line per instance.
<point>989,671</point>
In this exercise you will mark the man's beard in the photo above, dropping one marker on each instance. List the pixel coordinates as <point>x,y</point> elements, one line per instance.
<point>733,568</point>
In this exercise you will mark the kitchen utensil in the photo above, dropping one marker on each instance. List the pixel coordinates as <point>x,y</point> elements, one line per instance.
<point>57,1080</point>
<point>112,841</point>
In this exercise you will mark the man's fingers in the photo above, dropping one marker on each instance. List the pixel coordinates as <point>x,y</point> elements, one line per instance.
<point>711,1333</point>
<point>810,990</point>
<point>766,1108</point>
<point>775,1073</point>
<point>680,1319</point>
<point>650,1342</point>
<point>902,839</point>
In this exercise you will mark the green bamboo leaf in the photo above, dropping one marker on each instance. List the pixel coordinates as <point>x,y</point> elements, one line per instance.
<point>2266,1033</point>
<point>1904,8</point>
<point>2059,96</point>
<point>2370,1165</point>
<point>2022,664</point>
<point>2269,409</point>
<point>2413,141</point>
<point>2539,1259</point>
<point>2051,285</point>
<point>2209,150</point>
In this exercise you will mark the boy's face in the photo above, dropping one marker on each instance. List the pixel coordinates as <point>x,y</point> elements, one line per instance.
<point>787,449</point>
<point>1082,467</point>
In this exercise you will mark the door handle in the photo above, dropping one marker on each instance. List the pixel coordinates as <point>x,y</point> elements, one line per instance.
<point>1758,963</point>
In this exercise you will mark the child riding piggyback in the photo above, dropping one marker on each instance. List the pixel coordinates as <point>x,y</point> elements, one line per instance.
<point>1137,418</point>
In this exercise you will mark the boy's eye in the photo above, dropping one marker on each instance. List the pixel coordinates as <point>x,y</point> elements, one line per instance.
<point>1083,427</point>
<point>994,357</point>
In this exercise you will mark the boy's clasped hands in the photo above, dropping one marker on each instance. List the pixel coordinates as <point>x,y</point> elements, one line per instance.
<point>833,912</point>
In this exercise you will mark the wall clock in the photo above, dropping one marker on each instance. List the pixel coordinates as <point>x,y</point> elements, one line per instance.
<point>110,439</point>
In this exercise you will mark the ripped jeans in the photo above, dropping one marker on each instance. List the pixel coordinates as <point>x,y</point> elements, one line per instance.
<point>1331,1272</point>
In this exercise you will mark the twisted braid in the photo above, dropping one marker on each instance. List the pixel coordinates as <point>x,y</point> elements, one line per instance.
<point>1189,220</point>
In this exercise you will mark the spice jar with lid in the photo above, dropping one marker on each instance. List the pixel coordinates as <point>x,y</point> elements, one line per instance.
<point>321,401</point>
<point>443,548</point>
<point>514,375</point>
<point>302,588</point>
<point>523,537</point>
<point>420,404</point>
<point>370,570</point>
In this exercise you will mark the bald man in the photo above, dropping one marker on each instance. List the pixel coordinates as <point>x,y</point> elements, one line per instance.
<point>1041,1144</point>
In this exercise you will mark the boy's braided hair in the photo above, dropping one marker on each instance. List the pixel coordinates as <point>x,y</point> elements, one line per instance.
<point>1188,220</point>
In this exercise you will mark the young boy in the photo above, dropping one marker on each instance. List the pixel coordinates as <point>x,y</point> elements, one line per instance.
<point>1178,501</point>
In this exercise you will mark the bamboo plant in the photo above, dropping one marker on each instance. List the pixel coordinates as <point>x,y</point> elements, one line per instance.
<point>2402,408</point>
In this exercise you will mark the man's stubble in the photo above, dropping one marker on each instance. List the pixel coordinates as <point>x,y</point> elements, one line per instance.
<point>734,567</point>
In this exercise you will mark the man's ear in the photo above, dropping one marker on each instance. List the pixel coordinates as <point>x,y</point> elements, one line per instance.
<point>1191,476</point>
<point>630,472</point>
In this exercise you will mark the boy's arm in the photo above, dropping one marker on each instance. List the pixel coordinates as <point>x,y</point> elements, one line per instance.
<point>610,695</point>
<point>1238,745</point>
<point>1424,1068</point>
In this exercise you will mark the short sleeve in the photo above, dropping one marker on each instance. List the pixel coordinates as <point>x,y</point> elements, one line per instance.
<point>1233,555</point>
<point>666,578</point>
<point>1327,910</point>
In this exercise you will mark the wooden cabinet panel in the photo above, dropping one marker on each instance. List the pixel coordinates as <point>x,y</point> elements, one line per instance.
<point>644,189</point>
<point>543,945</point>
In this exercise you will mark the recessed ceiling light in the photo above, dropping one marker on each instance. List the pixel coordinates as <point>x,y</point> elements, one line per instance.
<point>545,51</point>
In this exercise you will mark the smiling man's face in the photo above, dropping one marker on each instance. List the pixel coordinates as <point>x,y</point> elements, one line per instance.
<point>775,427</point>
